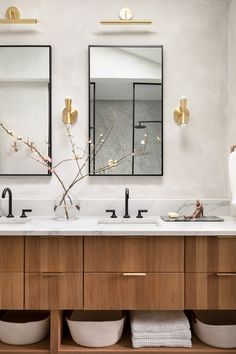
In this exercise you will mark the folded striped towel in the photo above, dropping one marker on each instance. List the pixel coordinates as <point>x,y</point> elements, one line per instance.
<point>181,343</point>
<point>158,321</point>
<point>179,334</point>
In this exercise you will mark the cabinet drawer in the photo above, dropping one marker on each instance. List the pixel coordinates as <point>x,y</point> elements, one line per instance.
<point>53,254</point>
<point>11,254</point>
<point>119,291</point>
<point>53,291</point>
<point>210,291</point>
<point>210,254</point>
<point>134,254</point>
<point>11,291</point>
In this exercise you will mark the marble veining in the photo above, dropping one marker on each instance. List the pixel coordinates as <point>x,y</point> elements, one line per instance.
<point>97,207</point>
<point>41,226</point>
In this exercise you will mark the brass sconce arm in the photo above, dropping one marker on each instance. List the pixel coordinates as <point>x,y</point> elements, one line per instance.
<point>181,114</point>
<point>69,115</point>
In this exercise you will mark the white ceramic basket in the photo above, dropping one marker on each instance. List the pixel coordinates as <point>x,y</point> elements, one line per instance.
<point>24,327</point>
<point>96,328</point>
<point>216,328</point>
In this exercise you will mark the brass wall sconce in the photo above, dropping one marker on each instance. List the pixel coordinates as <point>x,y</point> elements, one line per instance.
<point>69,115</point>
<point>126,16</point>
<point>181,114</point>
<point>13,17</point>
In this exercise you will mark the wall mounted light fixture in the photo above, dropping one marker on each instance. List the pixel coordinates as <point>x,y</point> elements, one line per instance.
<point>181,114</point>
<point>13,17</point>
<point>126,16</point>
<point>69,115</point>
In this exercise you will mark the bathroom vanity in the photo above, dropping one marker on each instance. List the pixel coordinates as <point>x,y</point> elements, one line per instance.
<point>82,266</point>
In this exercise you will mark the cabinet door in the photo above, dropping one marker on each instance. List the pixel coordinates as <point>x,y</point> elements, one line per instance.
<point>210,254</point>
<point>133,291</point>
<point>53,291</point>
<point>11,253</point>
<point>54,254</point>
<point>134,254</point>
<point>11,291</point>
<point>211,291</point>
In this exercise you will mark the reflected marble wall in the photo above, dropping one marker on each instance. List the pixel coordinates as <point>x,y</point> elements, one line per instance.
<point>119,142</point>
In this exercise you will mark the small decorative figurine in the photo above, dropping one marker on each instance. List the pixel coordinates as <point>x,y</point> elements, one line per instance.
<point>199,211</point>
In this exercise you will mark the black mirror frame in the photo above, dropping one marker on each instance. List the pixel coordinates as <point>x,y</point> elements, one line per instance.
<point>89,109</point>
<point>49,111</point>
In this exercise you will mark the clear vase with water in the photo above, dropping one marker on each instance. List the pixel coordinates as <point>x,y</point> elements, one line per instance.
<point>67,208</point>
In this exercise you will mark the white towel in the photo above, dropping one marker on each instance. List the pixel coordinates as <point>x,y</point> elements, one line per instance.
<point>158,321</point>
<point>179,334</point>
<point>140,343</point>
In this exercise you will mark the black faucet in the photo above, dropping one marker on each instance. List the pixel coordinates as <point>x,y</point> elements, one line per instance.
<point>126,216</point>
<point>5,191</point>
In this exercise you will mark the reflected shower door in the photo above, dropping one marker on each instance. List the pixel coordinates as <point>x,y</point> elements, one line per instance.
<point>147,129</point>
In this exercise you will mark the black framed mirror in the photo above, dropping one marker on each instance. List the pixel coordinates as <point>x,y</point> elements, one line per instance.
<point>25,108</point>
<point>126,110</point>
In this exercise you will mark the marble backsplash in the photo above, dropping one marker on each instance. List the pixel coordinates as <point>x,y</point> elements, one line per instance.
<point>97,207</point>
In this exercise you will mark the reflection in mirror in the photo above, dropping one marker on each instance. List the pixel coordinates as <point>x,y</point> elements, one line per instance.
<point>25,104</point>
<point>126,100</point>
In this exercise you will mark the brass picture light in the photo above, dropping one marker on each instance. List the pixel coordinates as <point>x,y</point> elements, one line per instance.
<point>13,17</point>
<point>126,18</point>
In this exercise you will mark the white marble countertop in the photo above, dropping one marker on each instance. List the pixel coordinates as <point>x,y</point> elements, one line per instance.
<point>38,226</point>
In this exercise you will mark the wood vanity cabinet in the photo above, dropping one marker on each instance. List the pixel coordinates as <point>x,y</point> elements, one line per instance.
<point>54,272</point>
<point>133,272</point>
<point>11,272</point>
<point>113,272</point>
<point>210,272</point>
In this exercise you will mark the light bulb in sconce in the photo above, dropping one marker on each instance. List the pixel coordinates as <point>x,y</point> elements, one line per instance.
<point>181,114</point>
<point>69,115</point>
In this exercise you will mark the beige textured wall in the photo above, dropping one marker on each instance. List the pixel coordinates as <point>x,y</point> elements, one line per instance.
<point>232,75</point>
<point>194,34</point>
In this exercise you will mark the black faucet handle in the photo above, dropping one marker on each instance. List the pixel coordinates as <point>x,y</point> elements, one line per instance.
<point>113,215</point>
<point>24,211</point>
<point>140,211</point>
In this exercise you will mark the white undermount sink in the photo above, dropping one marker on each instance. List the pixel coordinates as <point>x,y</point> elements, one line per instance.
<point>131,221</point>
<point>14,221</point>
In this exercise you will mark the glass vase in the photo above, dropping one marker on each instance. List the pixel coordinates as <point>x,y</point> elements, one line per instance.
<point>67,208</point>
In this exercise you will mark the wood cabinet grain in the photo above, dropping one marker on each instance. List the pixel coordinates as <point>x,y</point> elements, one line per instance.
<point>53,291</point>
<point>210,291</point>
<point>54,254</point>
<point>11,291</point>
<point>133,291</point>
<point>134,254</point>
<point>210,254</point>
<point>11,254</point>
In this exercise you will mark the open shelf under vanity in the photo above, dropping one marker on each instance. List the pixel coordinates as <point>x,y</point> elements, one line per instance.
<point>42,347</point>
<point>125,346</point>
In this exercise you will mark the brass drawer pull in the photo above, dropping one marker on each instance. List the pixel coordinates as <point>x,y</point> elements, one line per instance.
<point>51,274</point>
<point>226,274</point>
<point>134,274</point>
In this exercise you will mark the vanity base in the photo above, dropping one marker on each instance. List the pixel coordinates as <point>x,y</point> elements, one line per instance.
<point>60,342</point>
<point>124,346</point>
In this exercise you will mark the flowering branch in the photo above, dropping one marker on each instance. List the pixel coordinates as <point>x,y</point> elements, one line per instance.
<point>89,154</point>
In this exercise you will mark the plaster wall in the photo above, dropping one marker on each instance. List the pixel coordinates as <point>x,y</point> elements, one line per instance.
<point>194,34</point>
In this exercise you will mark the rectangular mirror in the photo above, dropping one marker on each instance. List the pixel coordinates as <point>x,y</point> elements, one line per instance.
<point>126,110</point>
<point>25,108</point>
